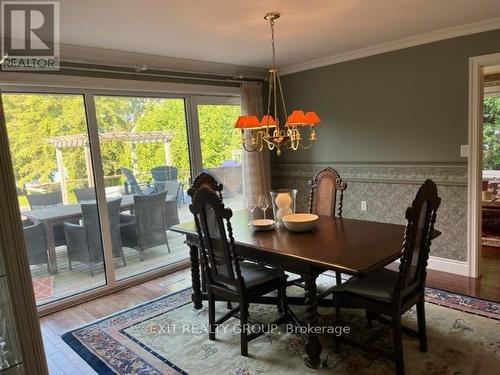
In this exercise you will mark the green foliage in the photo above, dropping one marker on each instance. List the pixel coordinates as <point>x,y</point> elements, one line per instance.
<point>33,118</point>
<point>491,134</point>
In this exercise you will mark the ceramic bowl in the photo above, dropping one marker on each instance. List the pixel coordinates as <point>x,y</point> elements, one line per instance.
<point>262,224</point>
<point>300,222</point>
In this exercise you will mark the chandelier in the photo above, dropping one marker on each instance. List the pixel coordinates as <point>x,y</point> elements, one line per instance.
<point>268,132</point>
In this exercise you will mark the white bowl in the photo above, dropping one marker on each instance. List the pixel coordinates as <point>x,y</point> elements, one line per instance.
<point>300,222</point>
<point>262,224</point>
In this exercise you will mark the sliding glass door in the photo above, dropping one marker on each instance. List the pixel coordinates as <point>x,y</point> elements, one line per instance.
<point>49,144</point>
<point>145,162</point>
<point>102,177</point>
<point>221,152</point>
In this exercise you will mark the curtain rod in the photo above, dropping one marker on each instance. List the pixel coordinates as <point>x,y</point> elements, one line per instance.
<point>183,75</point>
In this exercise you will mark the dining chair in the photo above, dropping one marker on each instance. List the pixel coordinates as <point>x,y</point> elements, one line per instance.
<point>132,186</point>
<point>391,293</point>
<point>324,190</point>
<point>326,195</point>
<point>205,179</point>
<point>229,278</point>
<point>36,243</point>
<point>39,201</point>
<point>147,228</point>
<point>85,194</point>
<point>84,241</point>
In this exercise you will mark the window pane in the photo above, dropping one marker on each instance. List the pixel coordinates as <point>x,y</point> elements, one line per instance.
<point>51,161</point>
<point>221,149</point>
<point>146,162</point>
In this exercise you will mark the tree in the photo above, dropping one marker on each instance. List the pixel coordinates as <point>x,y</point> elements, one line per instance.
<point>491,134</point>
<point>33,118</point>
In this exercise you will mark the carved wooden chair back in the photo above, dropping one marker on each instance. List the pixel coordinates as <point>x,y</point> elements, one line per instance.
<point>324,188</point>
<point>205,180</point>
<point>219,258</point>
<point>421,218</point>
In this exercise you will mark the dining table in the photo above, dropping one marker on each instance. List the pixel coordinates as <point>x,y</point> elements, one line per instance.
<point>52,215</point>
<point>350,246</point>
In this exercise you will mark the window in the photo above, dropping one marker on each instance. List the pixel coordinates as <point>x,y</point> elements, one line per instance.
<point>101,177</point>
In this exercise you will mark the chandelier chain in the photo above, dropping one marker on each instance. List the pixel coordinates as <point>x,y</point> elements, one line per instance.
<point>271,23</point>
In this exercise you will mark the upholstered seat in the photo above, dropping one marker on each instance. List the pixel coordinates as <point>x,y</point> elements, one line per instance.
<point>256,275</point>
<point>377,285</point>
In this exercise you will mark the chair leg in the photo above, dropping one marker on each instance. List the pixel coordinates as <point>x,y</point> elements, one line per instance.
<point>229,305</point>
<point>123,260</point>
<point>398,343</point>
<point>211,316</point>
<point>422,329</point>
<point>70,265</point>
<point>338,278</point>
<point>336,339</point>
<point>282,299</point>
<point>244,327</point>
<point>369,319</point>
<point>168,246</point>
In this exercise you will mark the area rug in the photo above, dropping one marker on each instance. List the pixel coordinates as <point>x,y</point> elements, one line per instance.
<point>167,336</point>
<point>43,286</point>
<point>492,241</point>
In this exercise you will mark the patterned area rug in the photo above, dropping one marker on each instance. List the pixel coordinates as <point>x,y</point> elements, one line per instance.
<point>491,241</point>
<point>43,286</point>
<point>167,336</point>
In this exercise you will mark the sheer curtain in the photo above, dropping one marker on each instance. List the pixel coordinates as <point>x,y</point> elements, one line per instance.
<point>256,165</point>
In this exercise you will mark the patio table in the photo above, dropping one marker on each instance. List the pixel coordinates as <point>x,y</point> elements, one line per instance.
<point>53,215</point>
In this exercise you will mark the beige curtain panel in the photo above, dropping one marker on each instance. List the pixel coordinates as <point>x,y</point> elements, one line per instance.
<point>256,165</point>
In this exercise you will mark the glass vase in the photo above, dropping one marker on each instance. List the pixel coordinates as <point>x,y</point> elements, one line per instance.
<point>283,202</point>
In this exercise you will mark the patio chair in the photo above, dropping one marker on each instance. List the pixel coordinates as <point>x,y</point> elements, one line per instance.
<point>39,201</point>
<point>147,228</point>
<point>165,178</point>
<point>165,173</point>
<point>84,241</point>
<point>36,243</point>
<point>171,187</point>
<point>132,186</point>
<point>85,194</point>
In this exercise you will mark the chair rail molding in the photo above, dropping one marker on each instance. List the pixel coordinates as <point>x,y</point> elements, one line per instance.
<point>475,135</point>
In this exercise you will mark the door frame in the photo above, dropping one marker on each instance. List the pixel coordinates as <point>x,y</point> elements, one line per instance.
<point>475,136</point>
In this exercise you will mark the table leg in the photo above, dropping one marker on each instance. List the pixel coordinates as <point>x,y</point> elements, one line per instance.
<point>196,296</point>
<point>313,346</point>
<point>51,247</point>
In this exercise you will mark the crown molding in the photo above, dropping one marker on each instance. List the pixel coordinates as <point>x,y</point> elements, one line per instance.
<point>412,41</point>
<point>100,56</point>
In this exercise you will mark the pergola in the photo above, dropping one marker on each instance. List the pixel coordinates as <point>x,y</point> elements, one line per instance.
<point>82,140</point>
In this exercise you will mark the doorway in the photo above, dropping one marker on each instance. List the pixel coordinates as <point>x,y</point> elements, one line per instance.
<point>484,170</point>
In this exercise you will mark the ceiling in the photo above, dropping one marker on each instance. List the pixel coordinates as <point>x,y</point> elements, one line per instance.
<point>234,32</point>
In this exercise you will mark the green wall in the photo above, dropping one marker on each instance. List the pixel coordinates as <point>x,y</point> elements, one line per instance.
<point>409,105</point>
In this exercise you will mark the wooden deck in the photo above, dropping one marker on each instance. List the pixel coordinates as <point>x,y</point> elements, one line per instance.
<point>67,283</point>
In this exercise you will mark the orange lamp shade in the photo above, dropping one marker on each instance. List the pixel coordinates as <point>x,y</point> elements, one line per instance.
<point>268,120</point>
<point>247,122</point>
<point>297,117</point>
<point>240,122</point>
<point>312,118</point>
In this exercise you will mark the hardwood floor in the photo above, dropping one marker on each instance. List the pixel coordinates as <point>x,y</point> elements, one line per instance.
<point>63,360</point>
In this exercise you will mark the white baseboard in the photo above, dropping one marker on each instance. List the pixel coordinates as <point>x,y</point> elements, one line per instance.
<point>456,267</point>
<point>448,265</point>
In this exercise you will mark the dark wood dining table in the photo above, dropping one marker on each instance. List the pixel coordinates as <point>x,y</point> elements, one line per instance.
<point>53,215</point>
<point>353,247</point>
